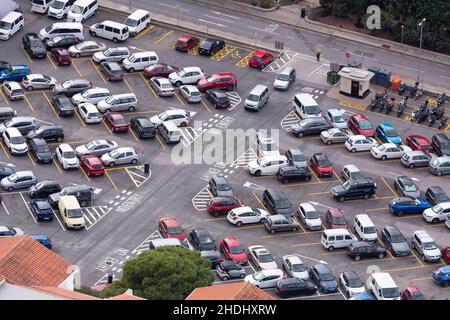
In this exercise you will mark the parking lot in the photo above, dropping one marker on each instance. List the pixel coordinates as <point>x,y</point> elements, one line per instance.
<point>129,202</point>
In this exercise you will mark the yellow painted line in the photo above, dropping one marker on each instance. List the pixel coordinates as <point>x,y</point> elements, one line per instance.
<point>134,135</point>
<point>57,165</point>
<point>160,142</point>
<point>85,174</point>
<point>389,187</point>
<point>163,37</point>
<point>249,227</point>
<point>244,61</point>
<point>359,153</point>
<point>339,178</point>
<point>143,32</point>
<point>412,268</point>
<point>318,193</point>
<point>306,244</point>
<point>140,112</point>
<point>314,174</point>
<point>50,105</point>
<point>29,104</point>
<point>36,91</point>
<point>70,142</point>
<point>76,68</point>
<point>389,253</point>
<point>111,180</point>
<point>150,87</point>
<point>79,117</point>
<point>378,209</point>
<point>106,126</point>
<point>333,253</point>
<point>29,59</point>
<point>219,56</point>
<point>98,71</point>
<point>260,202</point>
<point>421,279</point>
<point>207,189</point>
<point>3,96</point>
<point>128,85</point>
<point>206,106</point>
<point>131,177</point>
<point>4,149</point>
<point>435,225</point>
<point>301,226</point>
<point>179,99</point>
<point>409,217</point>
<point>31,159</point>
<point>215,219</point>
<point>306,183</point>
<point>51,61</point>
<point>290,234</point>
<point>414,254</point>
<point>372,260</point>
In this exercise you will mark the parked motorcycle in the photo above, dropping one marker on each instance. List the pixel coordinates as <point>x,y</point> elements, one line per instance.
<point>438,111</point>
<point>423,115</point>
<point>443,123</point>
<point>413,91</point>
<point>441,98</point>
<point>402,106</point>
<point>390,105</point>
<point>418,94</point>
<point>401,89</point>
<point>433,118</point>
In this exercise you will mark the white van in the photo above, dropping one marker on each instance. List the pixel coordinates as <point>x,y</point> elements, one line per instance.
<point>337,239</point>
<point>81,10</point>
<point>170,132</point>
<point>110,30</point>
<point>140,60</point>
<point>59,8</point>
<point>382,286</point>
<point>364,228</point>
<point>137,21</point>
<point>257,98</point>
<point>306,106</point>
<point>10,24</point>
<point>61,29</point>
<point>40,6</point>
<point>168,242</point>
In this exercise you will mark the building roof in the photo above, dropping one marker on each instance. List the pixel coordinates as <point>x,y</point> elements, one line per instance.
<point>64,293</point>
<point>355,74</point>
<point>26,262</point>
<point>232,291</point>
<point>125,296</point>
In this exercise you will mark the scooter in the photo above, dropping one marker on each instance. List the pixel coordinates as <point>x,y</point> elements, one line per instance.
<point>390,105</point>
<point>401,89</point>
<point>418,94</point>
<point>402,106</point>
<point>441,98</point>
<point>432,119</point>
<point>373,104</point>
<point>423,115</point>
<point>438,111</point>
<point>417,114</point>
<point>414,90</point>
<point>442,123</point>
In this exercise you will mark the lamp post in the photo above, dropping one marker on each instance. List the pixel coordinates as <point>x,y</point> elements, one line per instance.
<point>401,38</point>
<point>420,48</point>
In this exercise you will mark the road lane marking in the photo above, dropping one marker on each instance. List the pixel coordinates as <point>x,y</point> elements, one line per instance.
<point>389,187</point>
<point>110,179</point>
<point>57,166</point>
<point>29,104</point>
<point>179,99</point>
<point>163,37</point>
<point>206,106</point>
<point>29,157</point>
<point>4,149</point>
<point>28,208</point>
<point>29,59</point>
<point>76,68</point>
<point>160,142</point>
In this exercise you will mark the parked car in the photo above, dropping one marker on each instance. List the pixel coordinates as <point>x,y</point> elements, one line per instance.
<point>267,165</point>
<point>161,70</point>
<point>425,246</point>
<point>309,216</point>
<point>40,150</point>
<point>364,249</point>
<point>323,277</point>
<point>222,205</point>
<point>92,96</point>
<point>265,278</point>
<point>186,42</point>
<point>72,87</point>
<point>408,205</point>
<point>63,41</point>
<point>220,187</point>
<point>382,286</point>
<point>442,276</point>
<point>295,157</point>
<point>13,90</point>
<point>43,189</point>
<point>96,148</point>
<point>276,202</point>
<point>38,81</point>
<point>232,250</point>
<point>285,78</point>
<point>334,135</point>
<point>63,106</point>
<point>41,209</point>
<point>170,228</point>
<point>441,144</point>
<point>190,93</point>
<point>395,241</point>
<point>350,171</point>
<point>438,213</point>
<point>359,124</point>
<point>246,215</point>
<point>321,165</point>
<point>66,156</point>
<point>7,232</point>
<point>218,99</point>
<point>86,48</point>
<point>295,287</point>
<point>14,73</point>
<point>354,189</point>
<point>261,258</point>
<point>122,155</point>
<point>112,71</point>
<point>440,166</point>
<point>178,117</point>
<point>111,55</point>
<point>310,126</point>
<point>23,124</point>
<point>42,239</point>
<point>162,86</point>
<point>260,59</point>
<point>416,158</point>
<point>213,256</point>
<point>202,240</point>
<point>187,75</point>
<point>18,180</point>
<point>406,187</point>
<point>92,165</point>
<point>89,113</point>
<point>143,127</point>
<point>389,151</point>
<point>293,173</point>
<point>351,284</point>
<point>116,121</point>
<point>61,56</point>
<point>4,65</point>
<point>446,254</point>
<point>336,119</point>
<point>360,143</point>
<point>227,270</point>
<point>5,171</point>
<point>279,222</point>
<point>225,81</point>
<point>335,219</point>
<point>412,293</point>
<point>419,143</point>
<point>435,195</point>
<point>48,133</point>
<point>33,45</point>
<point>294,267</point>
<point>210,47</point>
<point>387,133</point>
<point>14,142</point>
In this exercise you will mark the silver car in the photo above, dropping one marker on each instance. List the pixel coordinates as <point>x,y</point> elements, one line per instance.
<point>38,81</point>
<point>336,119</point>
<point>124,155</point>
<point>162,86</point>
<point>440,166</point>
<point>284,80</point>
<point>334,135</point>
<point>86,48</point>
<point>416,158</point>
<point>96,148</point>
<point>191,93</point>
<point>112,54</point>
<point>7,232</point>
<point>18,180</point>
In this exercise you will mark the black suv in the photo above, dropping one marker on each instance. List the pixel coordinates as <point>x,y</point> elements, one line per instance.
<point>293,173</point>
<point>43,189</point>
<point>435,194</point>
<point>354,188</point>
<point>202,240</point>
<point>63,105</point>
<point>40,150</point>
<point>33,45</point>
<point>218,99</point>
<point>276,202</point>
<point>210,47</point>
<point>83,193</point>
<point>48,133</point>
<point>441,144</point>
<point>310,126</point>
<point>143,127</point>
<point>363,249</point>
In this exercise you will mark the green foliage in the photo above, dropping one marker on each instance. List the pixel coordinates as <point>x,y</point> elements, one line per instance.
<point>114,289</point>
<point>266,4</point>
<point>88,291</point>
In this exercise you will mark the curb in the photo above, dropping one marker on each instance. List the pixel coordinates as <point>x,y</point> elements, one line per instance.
<point>253,7</point>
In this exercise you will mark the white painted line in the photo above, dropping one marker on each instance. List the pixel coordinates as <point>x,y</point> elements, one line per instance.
<point>127,257</point>
<point>134,173</point>
<point>86,217</point>
<point>31,214</point>
<point>174,7</point>
<point>96,212</point>
<point>113,268</point>
<point>221,19</point>
<point>210,22</point>
<point>445,77</point>
<point>223,14</point>
<point>259,29</point>
<point>7,212</point>
<point>111,202</point>
<point>57,218</point>
<point>315,70</point>
<point>92,216</point>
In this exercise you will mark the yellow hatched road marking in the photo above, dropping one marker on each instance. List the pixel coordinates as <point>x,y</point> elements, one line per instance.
<point>244,61</point>
<point>223,53</point>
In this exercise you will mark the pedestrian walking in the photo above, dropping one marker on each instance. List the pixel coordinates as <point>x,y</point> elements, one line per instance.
<point>318,54</point>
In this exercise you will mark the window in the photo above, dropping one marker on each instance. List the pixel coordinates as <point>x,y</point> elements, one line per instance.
<point>109,29</point>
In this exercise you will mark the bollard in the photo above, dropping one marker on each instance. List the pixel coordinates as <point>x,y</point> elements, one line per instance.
<point>110,278</point>
<point>147,168</point>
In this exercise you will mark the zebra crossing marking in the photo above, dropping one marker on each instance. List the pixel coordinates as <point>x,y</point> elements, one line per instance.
<point>92,216</point>
<point>235,99</point>
<point>200,200</point>
<point>280,62</point>
<point>287,122</point>
<point>244,159</point>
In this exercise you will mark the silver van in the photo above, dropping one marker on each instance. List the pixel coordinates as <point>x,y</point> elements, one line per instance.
<point>337,238</point>
<point>257,98</point>
<point>168,242</point>
<point>118,102</point>
<point>440,166</point>
<point>284,80</point>
<point>170,132</point>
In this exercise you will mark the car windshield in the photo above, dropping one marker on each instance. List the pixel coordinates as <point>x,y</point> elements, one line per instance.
<point>5,25</point>
<point>339,221</point>
<point>181,73</point>
<point>12,177</point>
<point>397,238</point>
<point>163,116</point>
<point>35,43</point>
<point>283,77</point>
<point>17,140</point>
<point>42,148</point>
<point>410,187</point>
<point>69,155</point>
<point>253,97</point>
<point>206,240</point>
<point>76,9</point>
<point>339,119</point>
<point>326,277</point>
<point>195,93</point>
<point>355,283</point>
<point>174,230</point>
<point>391,133</point>
<point>66,84</point>
<point>429,245</point>
<point>223,187</point>
<point>97,166</point>
<point>303,123</point>
<point>390,292</point>
<point>283,204</point>
<point>7,123</point>
<point>364,125</point>
<point>346,185</point>
<point>258,276</point>
<point>80,46</point>
<point>445,145</point>
<point>130,22</point>
<point>312,215</point>
<point>381,147</point>
<point>211,78</point>
<point>114,153</point>
<point>323,162</point>
<point>90,145</point>
<point>120,121</point>
<point>437,208</point>
<point>370,230</point>
<point>109,100</point>
<point>312,109</point>
<point>298,267</point>
<point>74,213</point>
<point>266,258</point>
<point>58,4</point>
<point>236,250</point>
<point>298,157</point>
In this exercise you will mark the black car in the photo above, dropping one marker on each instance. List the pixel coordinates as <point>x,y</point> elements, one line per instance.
<point>441,144</point>
<point>33,45</point>
<point>310,126</point>
<point>230,270</point>
<point>364,249</point>
<point>40,150</point>
<point>323,277</point>
<point>63,41</point>
<point>202,240</point>
<point>435,194</point>
<point>43,189</point>
<point>143,127</point>
<point>210,47</point>
<point>62,105</point>
<point>5,171</point>
<point>293,173</point>
<point>212,256</point>
<point>48,133</point>
<point>4,65</point>
<point>218,99</point>
<point>394,240</point>
<point>41,209</point>
<point>295,287</point>
<point>354,189</point>
<point>83,193</point>
<point>276,202</point>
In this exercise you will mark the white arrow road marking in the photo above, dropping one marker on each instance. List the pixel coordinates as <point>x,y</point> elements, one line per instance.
<point>210,22</point>
<point>343,111</point>
<point>412,178</point>
<point>415,179</point>
<point>221,19</point>
<point>251,185</point>
<point>7,164</point>
<point>226,15</point>
<point>319,204</point>
<point>134,48</point>
<point>445,77</point>
<point>319,261</point>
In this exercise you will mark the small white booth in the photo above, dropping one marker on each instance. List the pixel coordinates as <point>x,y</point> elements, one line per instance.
<point>355,82</point>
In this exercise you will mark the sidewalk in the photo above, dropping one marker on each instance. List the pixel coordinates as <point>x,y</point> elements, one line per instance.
<point>290,15</point>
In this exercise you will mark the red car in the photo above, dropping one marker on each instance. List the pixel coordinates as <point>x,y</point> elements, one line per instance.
<point>412,293</point>
<point>221,205</point>
<point>334,219</point>
<point>61,56</point>
<point>233,250</point>
<point>321,165</point>
<point>186,42</point>
<point>159,70</point>
<point>359,124</point>
<point>115,121</point>
<point>417,142</point>
<point>260,59</point>
<point>169,228</point>
<point>226,81</point>
<point>92,165</point>
<point>446,254</point>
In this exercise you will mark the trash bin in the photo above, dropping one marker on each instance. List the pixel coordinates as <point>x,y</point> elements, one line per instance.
<point>396,82</point>
<point>374,70</point>
<point>384,78</point>
<point>110,278</point>
<point>303,13</point>
<point>147,168</point>
<point>332,77</point>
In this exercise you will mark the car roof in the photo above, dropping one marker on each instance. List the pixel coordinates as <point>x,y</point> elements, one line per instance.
<point>306,99</point>
<point>445,269</point>
<point>89,107</point>
<point>259,53</point>
<point>416,152</point>
<point>436,189</point>
<point>352,168</point>
<point>274,272</point>
<point>113,24</point>
<point>274,158</point>
<point>39,141</point>
<point>307,206</point>
<point>240,210</point>
<point>17,119</point>
<point>405,179</point>
<point>61,51</point>
<point>351,275</point>
<point>220,179</point>
<point>24,173</point>
<point>170,221</point>
<point>115,115</point>
<point>335,212</point>
<point>65,147</point>
<point>4,228</point>
<point>113,65</point>
<point>185,37</point>
<point>336,232</point>
<point>419,138</point>
<point>320,155</point>
<point>232,241</point>
<point>423,235</point>
<point>293,259</point>
<point>359,117</point>
<point>11,17</point>
<point>357,137</point>
<point>93,159</point>
<point>223,74</point>
<point>228,263</point>
<point>334,112</point>
<point>278,217</point>
<point>97,89</point>
<point>13,84</point>
<point>126,149</point>
<point>190,69</point>
<point>385,278</point>
<point>201,231</point>
<point>162,80</point>
<point>393,230</point>
<point>35,76</point>
<point>321,268</point>
<point>13,132</point>
<point>175,112</point>
<point>295,151</point>
<point>386,125</point>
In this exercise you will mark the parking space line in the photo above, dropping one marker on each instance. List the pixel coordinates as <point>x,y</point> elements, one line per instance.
<point>339,178</point>
<point>29,59</point>
<point>76,68</point>
<point>389,187</point>
<point>163,37</point>
<point>179,99</point>
<point>149,86</point>
<point>382,243</point>
<point>85,174</point>
<point>6,209</point>
<point>118,167</point>
<point>131,177</point>
<point>96,69</point>
<point>128,85</point>
<point>420,261</point>
<point>106,126</point>
<point>205,105</point>
<point>314,174</point>
<point>143,32</point>
<point>421,279</point>
<point>215,219</point>
<point>32,161</point>
<point>68,142</point>
<point>249,227</point>
<point>79,117</point>
<point>378,209</point>
<point>133,134</point>
<point>219,56</point>
<point>4,98</point>
<point>384,259</point>
<point>319,193</point>
<point>57,218</point>
<point>50,104</point>
<point>29,104</point>
<point>260,202</point>
<point>306,244</point>
<point>57,166</point>
<point>110,179</point>
<point>51,61</point>
<point>27,207</point>
<point>290,234</point>
<point>4,149</point>
<point>411,268</point>
<point>160,142</point>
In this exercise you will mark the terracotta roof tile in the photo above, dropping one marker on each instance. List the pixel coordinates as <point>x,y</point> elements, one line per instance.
<point>231,291</point>
<point>126,297</point>
<point>26,262</point>
<point>64,293</point>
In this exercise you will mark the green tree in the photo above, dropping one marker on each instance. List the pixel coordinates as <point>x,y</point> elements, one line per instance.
<point>167,273</point>
<point>266,4</point>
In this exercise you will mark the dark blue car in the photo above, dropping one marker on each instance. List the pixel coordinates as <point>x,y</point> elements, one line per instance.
<point>14,73</point>
<point>408,205</point>
<point>42,210</point>
<point>388,134</point>
<point>44,240</point>
<point>363,297</point>
<point>322,276</point>
<point>442,276</point>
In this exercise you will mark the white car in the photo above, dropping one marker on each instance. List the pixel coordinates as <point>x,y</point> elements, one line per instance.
<point>389,151</point>
<point>267,166</point>
<point>93,95</point>
<point>89,113</point>
<point>190,93</point>
<point>294,267</point>
<point>13,90</point>
<point>67,157</point>
<point>178,117</point>
<point>265,278</point>
<point>38,81</point>
<point>14,141</point>
<point>261,258</point>
<point>360,143</point>
<point>438,213</point>
<point>162,86</point>
<point>187,75</point>
<point>309,216</point>
<point>351,284</point>
<point>246,215</point>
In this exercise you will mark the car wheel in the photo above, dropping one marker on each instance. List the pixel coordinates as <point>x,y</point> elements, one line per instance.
<point>131,69</point>
<point>178,83</point>
<point>294,229</point>
<point>446,283</point>
<point>435,220</point>
<point>381,256</point>
<point>112,164</point>
<point>10,189</point>
<point>341,199</point>
<point>258,173</point>
<point>107,110</point>
<point>423,258</point>
<point>357,258</point>
<point>272,231</point>
<point>300,134</point>
<point>383,158</point>
<point>230,88</point>
<point>263,220</point>
<point>366,196</point>
<point>183,124</point>
<point>400,213</point>
<point>131,108</point>
<point>239,224</point>
<point>285,181</point>
<point>439,173</point>
<point>411,165</point>
<point>50,87</point>
<point>331,248</point>
<point>115,40</point>
<point>59,139</point>
<point>83,203</point>
<point>225,278</point>
<point>77,55</point>
<point>329,142</point>
<point>134,161</point>
<point>353,150</point>
<point>29,88</point>
<point>242,276</point>
<point>93,33</point>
